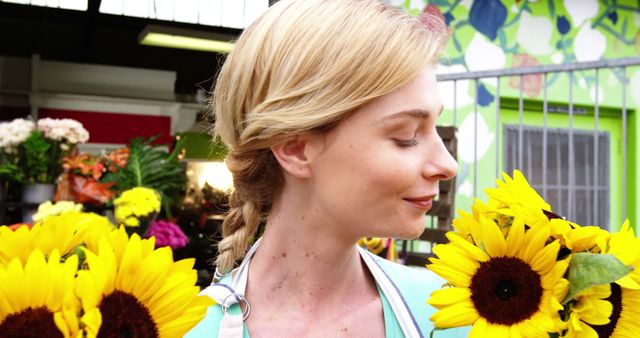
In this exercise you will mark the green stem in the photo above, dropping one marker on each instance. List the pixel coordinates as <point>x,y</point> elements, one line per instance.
<point>517,17</point>
<point>615,34</point>
<point>627,8</point>
<point>453,6</point>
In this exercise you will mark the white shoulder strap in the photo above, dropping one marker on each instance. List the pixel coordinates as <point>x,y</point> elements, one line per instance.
<point>232,322</point>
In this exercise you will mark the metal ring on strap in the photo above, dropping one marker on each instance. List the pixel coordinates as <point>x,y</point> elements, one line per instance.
<point>240,298</point>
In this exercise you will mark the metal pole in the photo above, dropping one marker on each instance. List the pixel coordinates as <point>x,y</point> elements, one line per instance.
<point>596,140</point>
<point>475,143</point>
<point>498,128</point>
<point>545,112</point>
<point>455,101</point>
<point>624,143</point>
<point>520,124</point>
<point>570,202</point>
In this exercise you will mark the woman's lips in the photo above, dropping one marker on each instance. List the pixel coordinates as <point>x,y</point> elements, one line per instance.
<point>421,203</point>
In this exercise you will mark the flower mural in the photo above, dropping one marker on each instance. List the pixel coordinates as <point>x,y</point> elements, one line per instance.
<point>497,34</point>
<point>534,34</point>
<point>532,84</point>
<point>481,54</point>
<point>581,10</point>
<point>589,44</point>
<point>487,16</point>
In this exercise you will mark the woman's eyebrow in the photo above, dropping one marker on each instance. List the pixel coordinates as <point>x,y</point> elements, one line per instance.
<point>417,113</point>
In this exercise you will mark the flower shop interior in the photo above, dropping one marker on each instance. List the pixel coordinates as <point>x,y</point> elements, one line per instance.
<point>104,124</point>
<point>103,107</point>
<point>95,62</point>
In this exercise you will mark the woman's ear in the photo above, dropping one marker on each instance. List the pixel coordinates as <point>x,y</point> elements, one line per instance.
<point>293,155</point>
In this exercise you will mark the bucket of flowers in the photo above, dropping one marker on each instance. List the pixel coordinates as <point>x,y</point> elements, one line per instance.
<point>516,269</point>
<point>36,150</point>
<point>75,274</point>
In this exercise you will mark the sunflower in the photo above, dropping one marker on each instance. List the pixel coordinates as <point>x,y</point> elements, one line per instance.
<point>62,232</point>
<point>504,287</point>
<point>626,247</point>
<point>37,299</point>
<point>139,291</point>
<point>625,292</point>
<point>590,308</point>
<point>615,316</point>
<point>515,196</point>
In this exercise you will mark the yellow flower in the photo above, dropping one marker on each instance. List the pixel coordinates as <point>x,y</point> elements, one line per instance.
<point>374,245</point>
<point>590,308</point>
<point>515,196</point>
<point>38,297</point>
<point>578,238</point>
<point>140,291</point>
<point>64,233</point>
<point>623,311</point>
<point>48,209</point>
<point>134,204</point>
<point>504,287</point>
<point>626,247</point>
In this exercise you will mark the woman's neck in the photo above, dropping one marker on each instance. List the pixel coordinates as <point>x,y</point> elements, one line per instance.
<point>306,260</point>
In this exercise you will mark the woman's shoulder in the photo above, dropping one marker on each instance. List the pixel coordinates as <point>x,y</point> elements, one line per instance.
<point>210,324</point>
<point>411,276</point>
<point>415,285</point>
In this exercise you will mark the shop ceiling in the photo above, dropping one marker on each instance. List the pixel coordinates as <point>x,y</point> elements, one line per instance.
<point>95,38</point>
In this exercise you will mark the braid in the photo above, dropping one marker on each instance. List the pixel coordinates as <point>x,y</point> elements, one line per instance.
<point>256,177</point>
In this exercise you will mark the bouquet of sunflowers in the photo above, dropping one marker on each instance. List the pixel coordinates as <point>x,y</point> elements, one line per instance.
<point>74,274</point>
<point>515,269</point>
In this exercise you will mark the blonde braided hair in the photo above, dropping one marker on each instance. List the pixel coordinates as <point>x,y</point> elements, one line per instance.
<point>303,66</point>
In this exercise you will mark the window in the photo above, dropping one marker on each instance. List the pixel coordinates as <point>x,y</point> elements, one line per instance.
<point>576,203</point>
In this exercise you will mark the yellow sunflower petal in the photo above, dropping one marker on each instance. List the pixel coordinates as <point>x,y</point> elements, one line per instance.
<point>515,238</point>
<point>471,249</point>
<point>448,296</point>
<point>460,314</point>
<point>545,260</point>
<point>492,238</point>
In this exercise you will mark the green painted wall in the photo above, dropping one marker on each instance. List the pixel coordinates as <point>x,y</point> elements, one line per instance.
<point>497,34</point>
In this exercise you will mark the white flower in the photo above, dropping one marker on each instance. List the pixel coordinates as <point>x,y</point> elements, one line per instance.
<point>581,10</point>
<point>484,139</point>
<point>67,130</point>
<point>481,54</point>
<point>589,44</point>
<point>13,133</point>
<point>48,209</point>
<point>534,34</point>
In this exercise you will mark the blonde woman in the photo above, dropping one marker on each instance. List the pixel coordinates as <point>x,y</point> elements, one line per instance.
<point>329,110</point>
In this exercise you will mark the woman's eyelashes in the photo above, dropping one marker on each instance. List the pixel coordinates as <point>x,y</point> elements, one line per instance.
<point>406,143</point>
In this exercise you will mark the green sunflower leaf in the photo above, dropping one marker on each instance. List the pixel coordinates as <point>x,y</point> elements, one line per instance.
<point>588,269</point>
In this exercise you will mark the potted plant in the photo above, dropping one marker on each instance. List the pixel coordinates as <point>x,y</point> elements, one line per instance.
<point>36,149</point>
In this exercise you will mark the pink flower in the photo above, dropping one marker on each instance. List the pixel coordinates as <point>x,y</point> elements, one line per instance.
<point>532,85</point>
<point>167,234</point>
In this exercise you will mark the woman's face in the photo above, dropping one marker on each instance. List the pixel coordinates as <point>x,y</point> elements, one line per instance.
<point>379,169</point>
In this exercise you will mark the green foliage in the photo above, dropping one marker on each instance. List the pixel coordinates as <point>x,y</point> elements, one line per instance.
<point>36,157</point>
<point>588,269</point>
<point>152,167</point>
<point>10,172</point>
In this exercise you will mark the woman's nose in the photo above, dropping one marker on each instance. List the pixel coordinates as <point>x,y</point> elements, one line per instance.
<point>442,165</point>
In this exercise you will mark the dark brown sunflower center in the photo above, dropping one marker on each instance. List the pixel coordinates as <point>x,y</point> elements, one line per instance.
<point>124,316</point>
<point>30,323</point>
<point>615,299</point>
<point>505,290</point>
